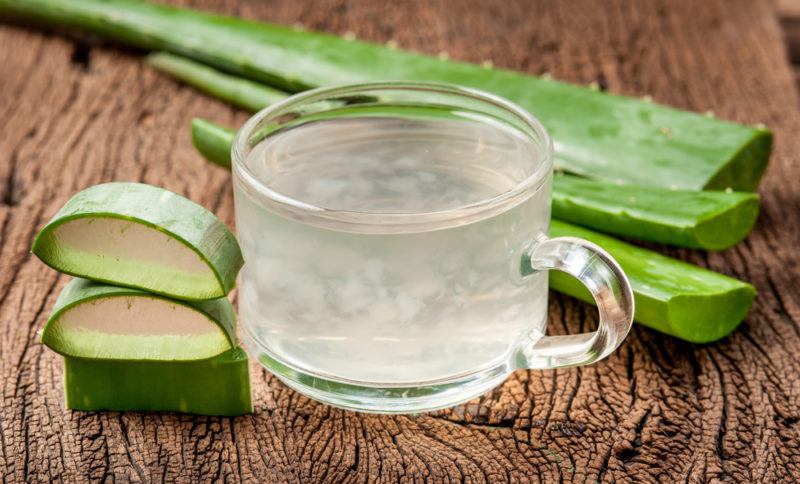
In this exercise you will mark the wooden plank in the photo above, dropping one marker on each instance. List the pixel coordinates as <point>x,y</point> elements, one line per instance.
<point>658,409</point>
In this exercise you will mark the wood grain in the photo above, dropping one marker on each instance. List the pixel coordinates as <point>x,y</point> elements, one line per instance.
<point>659,409</point>
<point>789,15</point>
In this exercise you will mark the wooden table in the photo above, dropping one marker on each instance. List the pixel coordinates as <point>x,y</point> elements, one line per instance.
<point>658,409</point>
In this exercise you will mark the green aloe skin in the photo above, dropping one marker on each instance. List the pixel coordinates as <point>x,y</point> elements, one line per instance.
<point>213,141</point>
<point>712,220</point>
<point>672,296</point>
<point>182,220</point>
<point>215,386</point>
<point>234,90</point>
<point>597,135</point>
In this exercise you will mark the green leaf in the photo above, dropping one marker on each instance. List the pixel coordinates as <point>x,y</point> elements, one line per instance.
<point>234,90</point>
<point>704,220</point>
<point>212,141</point>
<point>598,135</point>
<point>671,296</point>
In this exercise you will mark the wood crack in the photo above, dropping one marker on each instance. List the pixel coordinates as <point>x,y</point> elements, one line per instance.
<point>722,427</point>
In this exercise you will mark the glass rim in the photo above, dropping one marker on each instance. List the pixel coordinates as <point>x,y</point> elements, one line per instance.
<point>472,211</point>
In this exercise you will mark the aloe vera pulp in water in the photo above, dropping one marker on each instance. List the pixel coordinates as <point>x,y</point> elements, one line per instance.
<point>412,283</point>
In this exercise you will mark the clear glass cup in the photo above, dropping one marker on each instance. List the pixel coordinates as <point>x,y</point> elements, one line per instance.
<point>396,249</point>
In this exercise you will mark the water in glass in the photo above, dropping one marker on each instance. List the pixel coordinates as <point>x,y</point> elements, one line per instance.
<point>398,303</point>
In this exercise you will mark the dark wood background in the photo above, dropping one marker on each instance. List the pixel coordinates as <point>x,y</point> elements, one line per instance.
<point>659,409</point>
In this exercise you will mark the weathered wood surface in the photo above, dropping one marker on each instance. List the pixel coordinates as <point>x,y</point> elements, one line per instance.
<point>789,14</point>
<point>658,409</point>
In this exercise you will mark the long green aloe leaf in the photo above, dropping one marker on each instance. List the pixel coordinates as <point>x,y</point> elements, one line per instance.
<point>234,90</point>
<point>709,220</point>
<point>141,236</point>
<point>213,141</point>
<point>598,135</point>
<point>705,220</point>
<point>103,322</point>
<point>216,386</point>
<point>672,296</point>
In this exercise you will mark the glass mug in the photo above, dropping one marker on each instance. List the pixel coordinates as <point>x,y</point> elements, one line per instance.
<point>395,246</point>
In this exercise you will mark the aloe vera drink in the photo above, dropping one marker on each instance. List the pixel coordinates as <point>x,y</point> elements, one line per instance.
<point>392,278</point>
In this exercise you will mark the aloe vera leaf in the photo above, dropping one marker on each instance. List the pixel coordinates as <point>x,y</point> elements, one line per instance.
<point>212,141</point>
<point>597,135</point>
<point>141,236</point>
<point>216,386</point>
<point>671,296</point>
<point>100,321</point>
<point>234,90</point>
<point>708,220</point>
<point>705,220</point>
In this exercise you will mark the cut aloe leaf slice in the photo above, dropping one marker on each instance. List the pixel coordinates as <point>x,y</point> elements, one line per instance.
<point>94,320</point>
<point>217,386</point>
<point>141,236</point>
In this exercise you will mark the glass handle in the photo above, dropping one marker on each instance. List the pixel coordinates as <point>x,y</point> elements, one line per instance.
<point>606,282</point>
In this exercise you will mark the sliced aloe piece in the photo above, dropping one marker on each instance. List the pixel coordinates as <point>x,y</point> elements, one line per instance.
<point>672,296</point>
<point>141,236</point>
<point>217,386</point>
<point>99,321</point>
